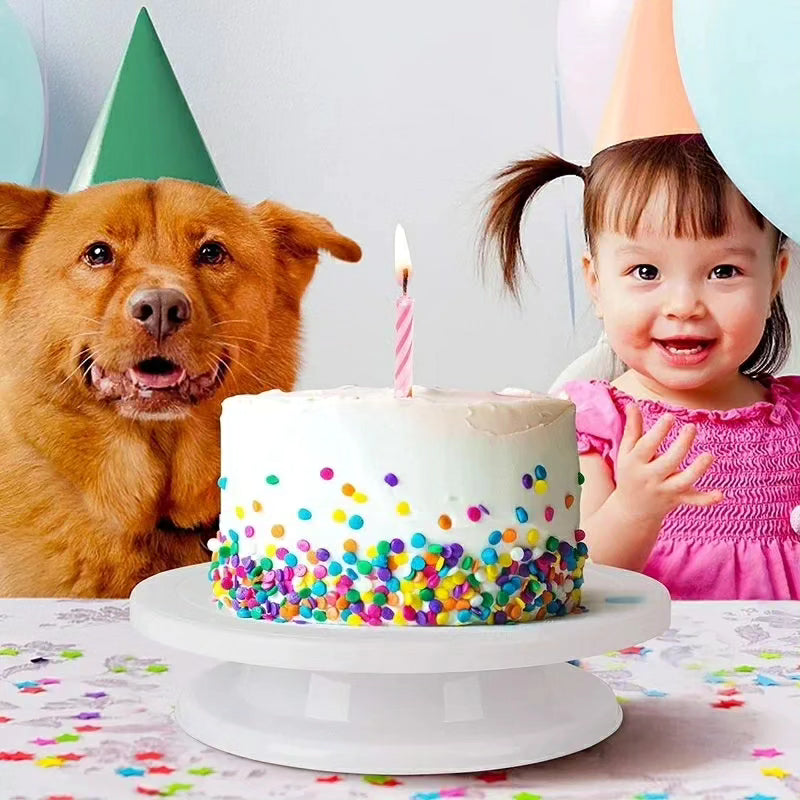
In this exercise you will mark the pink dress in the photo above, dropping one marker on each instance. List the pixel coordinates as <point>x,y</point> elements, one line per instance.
<point>745,547</point>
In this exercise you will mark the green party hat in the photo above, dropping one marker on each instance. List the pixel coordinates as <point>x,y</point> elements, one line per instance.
<point>145,129</point>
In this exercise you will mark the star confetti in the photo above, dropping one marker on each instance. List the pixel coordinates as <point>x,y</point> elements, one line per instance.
<point>144,790</point>
<point>87,728</point>
<point>329,779</point>
<point>769,752</point>
<point>200,771</point>
<point>161,770</point>
<point>382,780</point>
<point>67,737</point>
<point>6,719</point>
<point>527,796</point>
<point>157,668</point>
<point>130,772</point>
<point>765,680</point>
<point>50,761</point>
<point>32,690</point>
<point>654,693</point>
<point>744,669</point>
<point>174,788</point>
<point>95,695</point>
<point>71,654</point>
<point>149,756</point>
<point>27,684</point>
<point>732,703</point>
<point>70,756</point>
<point>770,656</point>
<point>728,692</point>
<point>87,715</point>
<point>42,742</point>
<point>652,796</point>
<point>18,756</point>
<point>775,772</point>
<point>9,651</point>
<point>760,796</point>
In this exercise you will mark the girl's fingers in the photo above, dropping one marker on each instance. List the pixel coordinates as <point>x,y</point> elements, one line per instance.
<point>674,455</point>
<point>648,445</point>
<point>702,499</point>
<point>633,428</point>
<point>685,480</point>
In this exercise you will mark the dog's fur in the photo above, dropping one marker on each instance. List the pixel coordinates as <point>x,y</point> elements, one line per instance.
<point>100,487</point>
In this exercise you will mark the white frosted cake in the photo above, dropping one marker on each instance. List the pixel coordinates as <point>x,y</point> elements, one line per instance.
<point>352,506</point>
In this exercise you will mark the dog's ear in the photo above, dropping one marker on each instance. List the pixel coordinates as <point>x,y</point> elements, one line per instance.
<point>21,211</point>
<point>299,236</point>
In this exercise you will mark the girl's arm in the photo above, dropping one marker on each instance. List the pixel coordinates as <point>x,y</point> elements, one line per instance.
<point>622,521</point>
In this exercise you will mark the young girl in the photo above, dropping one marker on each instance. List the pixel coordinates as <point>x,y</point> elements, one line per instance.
<point>692,456</point>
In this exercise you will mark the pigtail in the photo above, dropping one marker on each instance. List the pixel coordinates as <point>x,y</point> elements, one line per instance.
<point>518,185</point>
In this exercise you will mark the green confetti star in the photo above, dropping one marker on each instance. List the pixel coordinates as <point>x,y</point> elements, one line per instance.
<point>770,656</point>
<point>174,788</point>
<point>200,771</point>
<point>9,651</point>
<point>744,669</point>
<point>71,654</point>
<point>377,780</point>
<point>119,669</point>
<point>157,668</point>
<point>68,737</point>
<point>527,796</point>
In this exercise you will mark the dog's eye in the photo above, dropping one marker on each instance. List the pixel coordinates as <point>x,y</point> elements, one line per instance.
<point>98,254</point>
<point>211,253</point>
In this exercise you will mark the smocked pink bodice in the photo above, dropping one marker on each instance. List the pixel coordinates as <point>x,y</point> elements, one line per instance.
<point>744,547</point>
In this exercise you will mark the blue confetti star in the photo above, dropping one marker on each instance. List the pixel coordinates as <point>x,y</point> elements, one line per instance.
<point>26,684</point>
<point>130,772</point>
<point>760,796</point>
<point>652,796</point>
<point>765,680</point>
<point>654,693</point>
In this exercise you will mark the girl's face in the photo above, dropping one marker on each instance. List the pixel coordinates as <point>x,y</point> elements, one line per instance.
<point>685,313</point>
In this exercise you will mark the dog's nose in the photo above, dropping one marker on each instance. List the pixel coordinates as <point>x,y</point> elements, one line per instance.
<point>160,311</point>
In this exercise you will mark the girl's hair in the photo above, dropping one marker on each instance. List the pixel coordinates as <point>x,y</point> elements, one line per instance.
<point>618,185</point>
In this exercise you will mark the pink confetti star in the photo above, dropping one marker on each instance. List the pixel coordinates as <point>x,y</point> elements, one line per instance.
<point>32,690</point>
<point>5,719</point>
<point>42,742</point>
<point>769,752</point>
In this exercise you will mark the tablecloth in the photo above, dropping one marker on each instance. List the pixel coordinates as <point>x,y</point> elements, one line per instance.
<point>712,710</point>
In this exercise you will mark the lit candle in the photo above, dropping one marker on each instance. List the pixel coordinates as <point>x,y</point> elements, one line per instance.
<point>404,324</point>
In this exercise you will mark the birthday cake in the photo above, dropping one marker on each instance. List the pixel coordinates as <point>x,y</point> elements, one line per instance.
<point>352,506</point>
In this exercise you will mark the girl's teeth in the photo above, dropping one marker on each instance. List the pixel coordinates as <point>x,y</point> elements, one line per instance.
<point>684,351</point>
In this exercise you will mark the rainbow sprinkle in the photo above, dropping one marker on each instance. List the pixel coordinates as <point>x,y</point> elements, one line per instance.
<point>394,582</point>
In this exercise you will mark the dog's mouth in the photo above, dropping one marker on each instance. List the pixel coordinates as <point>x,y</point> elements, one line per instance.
<point>154,387</point>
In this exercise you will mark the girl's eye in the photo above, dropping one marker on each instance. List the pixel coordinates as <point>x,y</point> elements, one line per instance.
<point>645,272</point>
<point>98,254</point>
<point>725,271</point>
<point>211,254</point>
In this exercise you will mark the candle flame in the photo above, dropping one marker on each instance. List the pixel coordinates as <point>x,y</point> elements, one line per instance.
<point>402,256</point>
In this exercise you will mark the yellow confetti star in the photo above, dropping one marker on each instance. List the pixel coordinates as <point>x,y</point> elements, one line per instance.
<point>775,772</point>
<point>50,761</point>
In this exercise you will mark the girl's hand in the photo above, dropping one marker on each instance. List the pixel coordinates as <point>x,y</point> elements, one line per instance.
<point>652,485</point>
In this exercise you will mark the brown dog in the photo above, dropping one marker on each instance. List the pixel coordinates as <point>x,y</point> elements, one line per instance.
<point>128,312</point>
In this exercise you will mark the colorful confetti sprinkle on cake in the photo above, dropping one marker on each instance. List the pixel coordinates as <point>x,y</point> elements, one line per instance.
<point>351,506</point>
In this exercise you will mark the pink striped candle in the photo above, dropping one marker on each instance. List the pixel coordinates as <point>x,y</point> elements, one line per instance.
<point>404,324</point>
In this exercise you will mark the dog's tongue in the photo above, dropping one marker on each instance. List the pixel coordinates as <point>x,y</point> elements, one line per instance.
<point>151,380</point>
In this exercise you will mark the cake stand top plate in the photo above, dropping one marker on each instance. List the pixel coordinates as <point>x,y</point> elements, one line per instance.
<point>175,608</point>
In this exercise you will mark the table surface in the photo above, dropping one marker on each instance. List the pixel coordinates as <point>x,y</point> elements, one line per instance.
<point>712,710</point>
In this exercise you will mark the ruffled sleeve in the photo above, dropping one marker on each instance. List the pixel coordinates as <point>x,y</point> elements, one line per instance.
<point>599,422</point>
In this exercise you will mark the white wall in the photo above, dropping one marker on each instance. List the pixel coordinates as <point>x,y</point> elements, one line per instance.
<point>369,112</point>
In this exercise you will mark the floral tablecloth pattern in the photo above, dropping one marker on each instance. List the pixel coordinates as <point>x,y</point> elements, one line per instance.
<point>712,710</point>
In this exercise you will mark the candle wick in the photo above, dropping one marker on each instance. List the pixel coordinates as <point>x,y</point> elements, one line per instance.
<point>405,281</point>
